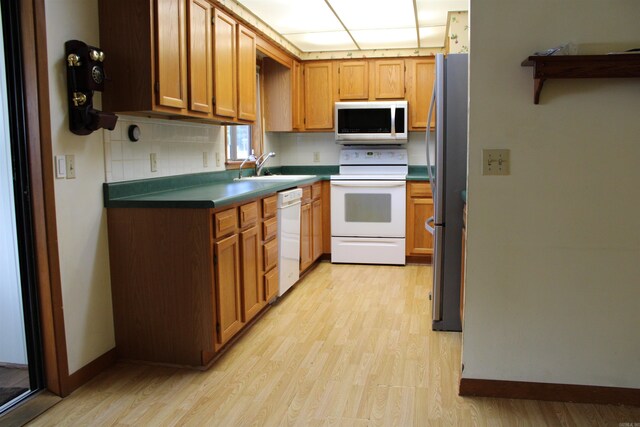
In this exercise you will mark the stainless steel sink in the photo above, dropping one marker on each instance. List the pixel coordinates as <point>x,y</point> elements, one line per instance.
<point>275,178</point>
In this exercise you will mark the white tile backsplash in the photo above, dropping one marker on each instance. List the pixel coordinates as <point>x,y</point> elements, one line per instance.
<point>178,147</point>
<point>296,149</point>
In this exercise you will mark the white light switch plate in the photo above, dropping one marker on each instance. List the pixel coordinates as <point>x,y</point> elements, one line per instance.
<point>61,167</point>
<point>71,166</point>
<point>496,162</point>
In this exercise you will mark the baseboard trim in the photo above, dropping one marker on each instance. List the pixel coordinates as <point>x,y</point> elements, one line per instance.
<point>418,259</point>
<point>88,372</point>
<point>547,391</point>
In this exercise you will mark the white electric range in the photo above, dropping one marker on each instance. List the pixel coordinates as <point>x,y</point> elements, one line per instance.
<point>368,206</point>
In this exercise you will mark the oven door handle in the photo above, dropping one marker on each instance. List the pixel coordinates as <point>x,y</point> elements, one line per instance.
<point>376,184</point>
<point>428,227</point>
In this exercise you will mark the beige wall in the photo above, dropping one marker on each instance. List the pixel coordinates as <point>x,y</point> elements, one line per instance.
<point>82,226</point>
<point>553,250</point>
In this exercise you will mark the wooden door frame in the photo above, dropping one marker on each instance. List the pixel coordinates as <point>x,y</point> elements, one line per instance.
<point>38,134</point>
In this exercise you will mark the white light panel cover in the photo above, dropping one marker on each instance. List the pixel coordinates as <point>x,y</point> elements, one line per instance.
<point>294,16</point>
<point>375,14</point>
<point>375,24</point>
<point>386,39</point>
<point>433,36</point>
<point>317,42</point>
<point>434,12</point>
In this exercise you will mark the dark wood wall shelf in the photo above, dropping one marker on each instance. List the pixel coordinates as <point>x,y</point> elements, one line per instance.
<point>580,67</point>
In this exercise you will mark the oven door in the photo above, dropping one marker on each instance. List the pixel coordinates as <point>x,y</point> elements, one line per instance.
<point>368,208</point>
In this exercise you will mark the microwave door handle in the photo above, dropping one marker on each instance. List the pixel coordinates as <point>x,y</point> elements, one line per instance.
<point>393,120</point>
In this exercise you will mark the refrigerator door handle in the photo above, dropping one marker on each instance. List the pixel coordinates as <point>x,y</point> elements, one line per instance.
<point>428,132</point>
<point>428,227</point>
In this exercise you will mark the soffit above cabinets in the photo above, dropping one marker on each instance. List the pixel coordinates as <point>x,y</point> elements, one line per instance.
<point>334,25</point>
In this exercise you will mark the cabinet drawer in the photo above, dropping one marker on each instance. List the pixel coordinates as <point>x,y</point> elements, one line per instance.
<point>225,222</point>
<point>269,229</point>
<point>316,190</point>
<point>248,214</point>
<point>271,284</point>
<point>270,254</point>
<point>420,189</point>
<point>269,206</point>
<point>306,193</point>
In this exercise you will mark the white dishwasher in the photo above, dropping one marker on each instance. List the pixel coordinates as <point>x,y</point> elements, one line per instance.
<point>288,238</point>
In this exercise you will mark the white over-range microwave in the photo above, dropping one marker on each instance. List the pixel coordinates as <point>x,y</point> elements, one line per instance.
<point>374,122</point>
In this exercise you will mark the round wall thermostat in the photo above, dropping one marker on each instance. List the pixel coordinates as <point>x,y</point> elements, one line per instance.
<point>134,133</point>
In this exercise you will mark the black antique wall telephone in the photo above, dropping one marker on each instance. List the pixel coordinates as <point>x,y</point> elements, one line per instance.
<point>85,74</point>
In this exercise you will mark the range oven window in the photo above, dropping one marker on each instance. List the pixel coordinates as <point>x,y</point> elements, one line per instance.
<point>367,207</point>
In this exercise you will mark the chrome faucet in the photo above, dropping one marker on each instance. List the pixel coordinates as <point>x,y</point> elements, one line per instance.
<point>264,158</point>
<point>251,158</point>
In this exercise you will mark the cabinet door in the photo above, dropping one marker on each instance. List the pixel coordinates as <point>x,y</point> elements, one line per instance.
<point>227,274</point>
<point>252,292</point>
<point>353,80</point>
<point>388,79</point>
<point>271,283</point>
<point>420,77</point>
<point>171,53</point>
<point>246,74</point>
<point>419,240</point>
<point>306,254</point>
<point>297,96</point>
<point>200,52</point>
<point>318,95</point>
<point>224,64</point>
<point>316,229</point>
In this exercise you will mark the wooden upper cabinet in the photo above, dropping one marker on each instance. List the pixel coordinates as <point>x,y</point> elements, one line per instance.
<point>171,53</point>
<point>420,76</point>
<point>353,80</point>
<point>297,95</point>
<point>200,56</point>
<point>224,64</point>
<point>318,89</point>
<point>246,74</point>
<point>388,77</point>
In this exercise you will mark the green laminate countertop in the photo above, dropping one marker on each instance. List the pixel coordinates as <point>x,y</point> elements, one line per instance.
<point>215,189</point>
<point>202,190</point>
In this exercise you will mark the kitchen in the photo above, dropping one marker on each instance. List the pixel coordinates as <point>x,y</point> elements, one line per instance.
<point>82,221</point>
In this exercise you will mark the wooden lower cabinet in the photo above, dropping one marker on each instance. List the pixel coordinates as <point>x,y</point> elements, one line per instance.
<point>311,225</point>
<point>252,290</point>
<point>306,250</point>
<point>316,229</point>
<point>227,279</point>
<point>419,207</point>
<point>271,283</point>
<point>185,282</point>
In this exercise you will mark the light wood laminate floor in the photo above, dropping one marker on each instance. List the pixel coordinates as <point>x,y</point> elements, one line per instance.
<point>349,346</point>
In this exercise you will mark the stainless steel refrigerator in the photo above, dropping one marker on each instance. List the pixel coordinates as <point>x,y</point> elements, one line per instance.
<point>448,177</point>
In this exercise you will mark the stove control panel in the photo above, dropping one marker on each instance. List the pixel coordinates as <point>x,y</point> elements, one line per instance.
<point>373,156</point>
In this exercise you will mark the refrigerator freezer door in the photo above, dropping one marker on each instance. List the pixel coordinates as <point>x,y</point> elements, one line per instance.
<point>436,296</point>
